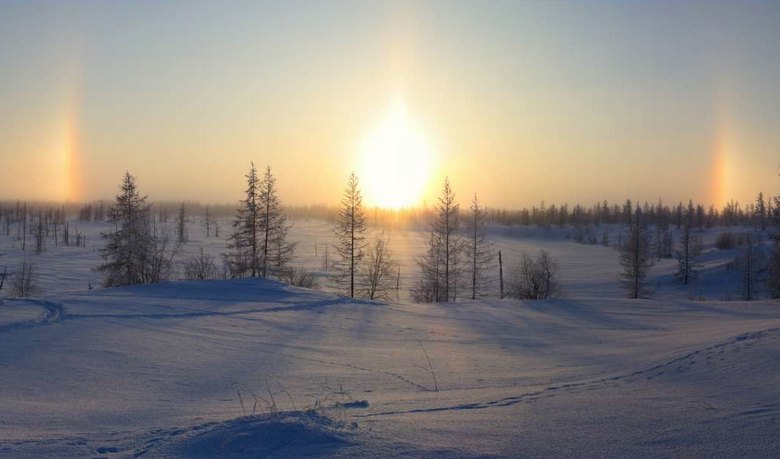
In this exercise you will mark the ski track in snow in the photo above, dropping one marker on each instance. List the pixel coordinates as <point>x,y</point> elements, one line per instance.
<point>52,312</point>
<point>707,353</point>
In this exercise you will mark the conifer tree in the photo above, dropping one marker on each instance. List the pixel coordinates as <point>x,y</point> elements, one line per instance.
<point>272,225</point>
<point>133,254</point>
<point>244,243</point>
<point>689,250</point>
<point>774,258</point>
<point>635,257</point>
<point>440,267</point>
<point>479,248</point>
<point>350,231</point>
<point>181,225</point>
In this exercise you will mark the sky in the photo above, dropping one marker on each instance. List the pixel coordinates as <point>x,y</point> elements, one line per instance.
<point>519,102</point>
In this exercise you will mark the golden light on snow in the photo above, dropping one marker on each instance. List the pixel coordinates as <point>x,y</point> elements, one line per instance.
<point>395,161</point>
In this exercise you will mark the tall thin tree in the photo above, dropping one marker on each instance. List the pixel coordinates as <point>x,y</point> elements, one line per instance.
<point>480,249</point>
<point>133,254</point>
<point>350,231</point>
<point>635,257</point>
<point>689,250</point>
<point>439,265</point>
<point>181,225</point>
<point>244,240</point>
<point>272,225</point>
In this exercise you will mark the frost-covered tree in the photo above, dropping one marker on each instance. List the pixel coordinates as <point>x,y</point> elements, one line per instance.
<point>774,258</point>
<point>350,229</point>
<point>244,242</point>
<point>259,241</point>
<point>534,279</point>
<point>276,251</point>
<point>428,288</point>
<point>181,225</point>
<point>759,211</point>
<point>480,251</point>
<point>39,231</point>
<point>689,249</point>
<point>664,240</point>
<point>133,254</point>
<point>749,263</point>
<point>635,257</point>
<point>207,222</point>
<point>25,281</point>
<point>441,265</point>
<point>201,266</point>
<point>379,270</point>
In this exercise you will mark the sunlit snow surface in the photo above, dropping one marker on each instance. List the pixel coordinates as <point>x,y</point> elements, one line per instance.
<point>177,369</point>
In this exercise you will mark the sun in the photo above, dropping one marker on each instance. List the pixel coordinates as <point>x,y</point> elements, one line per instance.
<point>395,161</point>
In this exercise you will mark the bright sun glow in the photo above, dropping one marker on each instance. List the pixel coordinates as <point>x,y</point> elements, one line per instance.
<point>395,162</point>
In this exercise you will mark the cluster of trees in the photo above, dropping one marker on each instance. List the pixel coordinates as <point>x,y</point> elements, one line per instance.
<point>456,262</point>
<point>37,226</point>
<point>638,250</point>
<point>259,245</point>
<point>758,214</point>
<point>459,255</point>
<point>364,269</point>
<point>134,252</point>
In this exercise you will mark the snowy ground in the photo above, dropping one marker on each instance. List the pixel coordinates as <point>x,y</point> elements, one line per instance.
<point>177,369</point>
<point>586,270</point>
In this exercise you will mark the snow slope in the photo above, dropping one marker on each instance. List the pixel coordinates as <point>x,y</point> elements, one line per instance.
<point>252,368</point>
<point>585,270</point>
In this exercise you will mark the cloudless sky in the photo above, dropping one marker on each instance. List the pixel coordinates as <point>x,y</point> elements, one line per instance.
<point>522,101</point>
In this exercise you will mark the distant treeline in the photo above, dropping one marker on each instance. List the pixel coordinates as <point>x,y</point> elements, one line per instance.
<point>733,213</point>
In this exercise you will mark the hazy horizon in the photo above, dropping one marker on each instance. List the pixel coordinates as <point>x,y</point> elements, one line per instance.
<point>519,102</point>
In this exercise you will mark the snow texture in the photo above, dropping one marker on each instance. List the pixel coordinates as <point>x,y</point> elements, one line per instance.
<point>254,368</point>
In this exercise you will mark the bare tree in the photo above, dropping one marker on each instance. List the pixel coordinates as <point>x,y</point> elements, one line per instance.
<point>379,271</point>
<point>25,282</point>
<point>749,263</point>
<point>201,266</point>
<point>774,269</point>
<point>181,225</point>
<point>39,232</point>
<point>534,279</point>
<point>207,222</point>
<point>428,287</point>
<point>350,231</point>
<point>299,277</point>
<point>664,241</point>
<point>760,211</point>
<point>635,257</point>
<point>689,250</point>
<point>480,250</point>
<point>774,259</point>
<point>439,266</point>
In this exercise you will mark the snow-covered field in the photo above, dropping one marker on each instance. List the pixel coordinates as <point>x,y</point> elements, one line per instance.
<point>253,368</point>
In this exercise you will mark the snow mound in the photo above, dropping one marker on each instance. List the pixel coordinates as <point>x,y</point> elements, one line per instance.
<point>289,434</point>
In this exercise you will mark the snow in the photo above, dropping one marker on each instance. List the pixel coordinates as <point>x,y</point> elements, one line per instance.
<point>254,368</point>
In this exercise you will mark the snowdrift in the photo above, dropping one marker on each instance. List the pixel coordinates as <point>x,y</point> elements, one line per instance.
<point>173,370</point>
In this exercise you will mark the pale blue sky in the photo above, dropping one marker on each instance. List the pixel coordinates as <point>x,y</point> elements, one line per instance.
<point>524,101</point>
